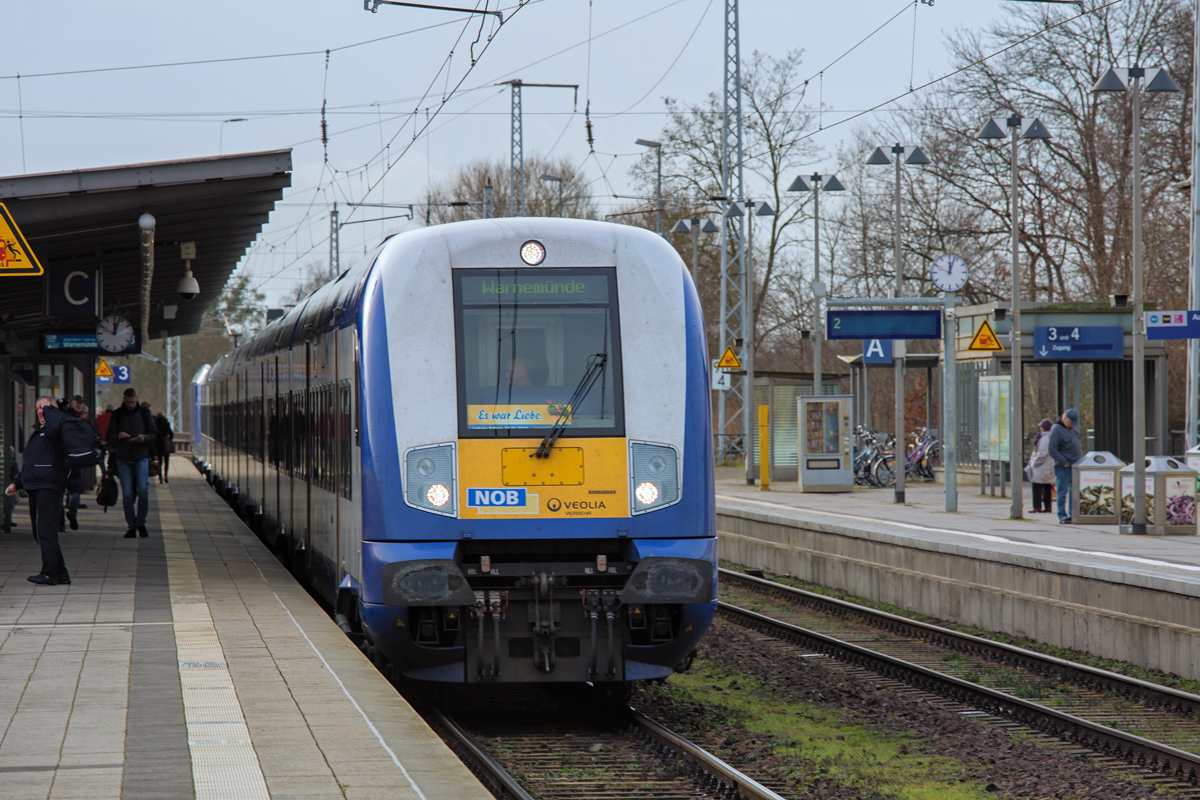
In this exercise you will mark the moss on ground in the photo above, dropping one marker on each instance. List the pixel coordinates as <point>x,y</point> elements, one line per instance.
<point>820,739</point>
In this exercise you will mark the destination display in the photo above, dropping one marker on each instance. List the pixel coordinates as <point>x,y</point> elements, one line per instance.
<point>81,342</point>
<point>889,324</point>
<point>510,287</point>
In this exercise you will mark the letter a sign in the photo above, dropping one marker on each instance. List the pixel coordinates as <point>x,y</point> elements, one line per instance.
<point>16,256</point>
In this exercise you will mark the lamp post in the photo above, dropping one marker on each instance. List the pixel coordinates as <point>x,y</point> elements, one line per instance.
<point>755,209</point>
<point>221,138</point>
<point>908,155</point>
<point>657,147</point>
<point>695,226</point>
<point>816,184</point>
<point>1120,80</point>
<point>1019,129</point>
<point>556,179</point>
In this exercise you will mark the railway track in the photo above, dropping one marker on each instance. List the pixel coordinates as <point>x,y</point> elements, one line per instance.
<point>1152,727</point>
<point>571,745</point>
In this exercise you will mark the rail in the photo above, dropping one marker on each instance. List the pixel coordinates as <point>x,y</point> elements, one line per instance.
<point>1127,746</point>
<point>746,787</point>
<point>1161,696</point>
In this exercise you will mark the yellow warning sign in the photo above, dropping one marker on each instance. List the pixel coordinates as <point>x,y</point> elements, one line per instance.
<point>986,339</point>
<point>729,359</point>
<point>103,370</point>
<point>16,256</point>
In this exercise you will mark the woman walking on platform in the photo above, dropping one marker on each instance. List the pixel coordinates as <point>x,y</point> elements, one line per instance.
<point>164,445</point>
<point>1041,468</point>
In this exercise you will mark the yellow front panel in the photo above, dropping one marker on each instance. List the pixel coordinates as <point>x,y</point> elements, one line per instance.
<point>564,467</point>
<point>600,466</point>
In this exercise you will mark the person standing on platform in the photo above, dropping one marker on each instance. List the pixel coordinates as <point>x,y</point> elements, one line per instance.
<point>1064,450</point>
<point>75,479</point>
<point>102,422</point>
<point>1041,468</point>
<point>43,477</point>
<point>131,434</point>
<point>10,501</point>
<point>164,445</point>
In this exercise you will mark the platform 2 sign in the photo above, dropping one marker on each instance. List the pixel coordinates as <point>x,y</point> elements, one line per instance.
<point>889,324</point>
<point>1078,343</point>
<point>1172,325</point>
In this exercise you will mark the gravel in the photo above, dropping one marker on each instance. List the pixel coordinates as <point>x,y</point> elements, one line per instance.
<point>993,761</point>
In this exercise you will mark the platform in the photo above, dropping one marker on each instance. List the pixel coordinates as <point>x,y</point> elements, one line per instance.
<point>1132,598</point>
<point>190,664</point>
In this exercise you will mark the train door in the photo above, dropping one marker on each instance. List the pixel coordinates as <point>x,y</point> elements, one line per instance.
<point>238,442</point>
<point>333,410</point>
<point>277,439</point>
<point>263,425</point>
<point>349,527</point>
<point>307,449</point>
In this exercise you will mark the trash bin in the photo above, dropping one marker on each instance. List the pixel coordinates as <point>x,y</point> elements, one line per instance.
<point>1170,497</point>
<point>1094,488</point>
<point>1192,458</point>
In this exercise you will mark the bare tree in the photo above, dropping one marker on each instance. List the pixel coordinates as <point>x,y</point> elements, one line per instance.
<point>467,185</point>
<point>775,151</point>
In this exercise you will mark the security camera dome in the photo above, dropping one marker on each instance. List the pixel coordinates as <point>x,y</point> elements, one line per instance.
<point>188,287</point>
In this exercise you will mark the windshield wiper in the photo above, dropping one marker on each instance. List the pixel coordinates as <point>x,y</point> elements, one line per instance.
<point>595,366</point>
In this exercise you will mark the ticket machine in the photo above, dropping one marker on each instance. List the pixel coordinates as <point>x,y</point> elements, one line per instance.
<point>826,443</point>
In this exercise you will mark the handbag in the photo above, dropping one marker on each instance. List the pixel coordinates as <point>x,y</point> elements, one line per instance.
<point>169,446</point>
<point>106,491</point>
<point>155,467</point>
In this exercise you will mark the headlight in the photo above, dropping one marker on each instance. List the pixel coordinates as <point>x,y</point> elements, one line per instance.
<point>430,484</point>
<point>653,476</point>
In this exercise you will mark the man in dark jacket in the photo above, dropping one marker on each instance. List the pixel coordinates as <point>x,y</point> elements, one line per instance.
<point>1064,450</point>
<point>43,477</point>
<point>131,434</point>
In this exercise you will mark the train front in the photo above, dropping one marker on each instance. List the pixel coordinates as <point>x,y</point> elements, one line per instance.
<point>537,488</point>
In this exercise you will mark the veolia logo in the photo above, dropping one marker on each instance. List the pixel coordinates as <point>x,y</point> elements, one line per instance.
<point>554,504</point>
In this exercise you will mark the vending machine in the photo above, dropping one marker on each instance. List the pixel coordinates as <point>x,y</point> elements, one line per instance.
<point>826,443</point>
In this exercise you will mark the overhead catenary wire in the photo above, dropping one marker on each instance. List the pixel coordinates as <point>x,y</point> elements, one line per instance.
<point>432,116</point>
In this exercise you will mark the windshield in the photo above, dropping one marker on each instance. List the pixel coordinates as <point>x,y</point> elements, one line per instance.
<point>525,337</point>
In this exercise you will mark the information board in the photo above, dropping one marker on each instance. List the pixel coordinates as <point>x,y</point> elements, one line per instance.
<point>1172,325</point>
<point>887,324</point>
<point>1078,343</point>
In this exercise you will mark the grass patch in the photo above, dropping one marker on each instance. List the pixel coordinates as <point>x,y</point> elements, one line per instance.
<point>822,743</point>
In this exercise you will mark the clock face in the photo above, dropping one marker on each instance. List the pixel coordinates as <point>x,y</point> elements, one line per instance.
<point>949,272</point>
<point>115,334</point>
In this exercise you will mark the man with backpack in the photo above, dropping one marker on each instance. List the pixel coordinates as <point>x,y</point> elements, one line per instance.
<point>43,477</point>
<point>131,433</point>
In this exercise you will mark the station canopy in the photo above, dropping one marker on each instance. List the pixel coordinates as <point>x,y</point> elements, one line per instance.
<point>89,218</point>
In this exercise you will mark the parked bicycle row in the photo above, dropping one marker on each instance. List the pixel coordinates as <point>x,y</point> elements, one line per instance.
<point>875,460</point>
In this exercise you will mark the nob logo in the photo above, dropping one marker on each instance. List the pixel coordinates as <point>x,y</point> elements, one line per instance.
<point>554,504</point>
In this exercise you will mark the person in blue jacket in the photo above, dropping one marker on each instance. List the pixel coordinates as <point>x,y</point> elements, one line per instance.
<point>43,477</point>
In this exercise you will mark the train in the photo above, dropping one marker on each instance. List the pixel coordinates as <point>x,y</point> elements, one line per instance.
<point>487,448</point>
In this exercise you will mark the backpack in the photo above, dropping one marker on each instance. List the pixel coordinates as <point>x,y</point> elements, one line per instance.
<point>80,444</point>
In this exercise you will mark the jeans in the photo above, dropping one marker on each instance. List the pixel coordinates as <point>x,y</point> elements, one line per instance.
<point>1062,480</point>
<point>45,512</point>
<point>128,471</point>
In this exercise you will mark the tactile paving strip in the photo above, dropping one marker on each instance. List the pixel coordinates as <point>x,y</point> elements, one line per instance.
<point>224,764</point>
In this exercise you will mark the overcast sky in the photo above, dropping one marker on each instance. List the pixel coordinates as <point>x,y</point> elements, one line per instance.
<point>640,51</point>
